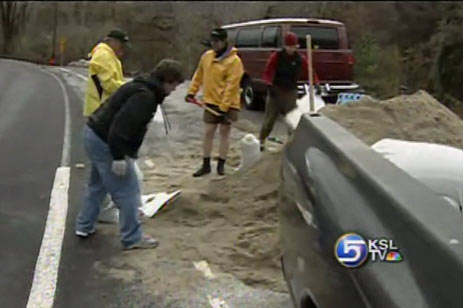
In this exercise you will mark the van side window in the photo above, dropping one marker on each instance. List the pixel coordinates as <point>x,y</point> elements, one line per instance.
<point>271,36</point>
<point>322,38</point>
<point>249,37</point>
<point>231,33</point>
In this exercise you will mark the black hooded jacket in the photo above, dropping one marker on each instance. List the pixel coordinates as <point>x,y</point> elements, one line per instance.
<point>122,121</point>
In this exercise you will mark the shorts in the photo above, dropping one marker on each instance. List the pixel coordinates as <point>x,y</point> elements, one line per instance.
<point>210,118</point>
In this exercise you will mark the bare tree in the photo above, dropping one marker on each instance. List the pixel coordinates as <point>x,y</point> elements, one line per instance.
<point>13,16</point>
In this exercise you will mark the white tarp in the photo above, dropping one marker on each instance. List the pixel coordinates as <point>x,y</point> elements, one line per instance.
<point>154,202</point>
<point>439,167</point>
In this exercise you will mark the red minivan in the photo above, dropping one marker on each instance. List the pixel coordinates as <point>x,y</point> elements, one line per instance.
<point>332,57</point>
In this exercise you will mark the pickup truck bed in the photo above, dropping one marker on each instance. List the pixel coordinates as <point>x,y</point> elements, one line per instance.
<point>332,184</point>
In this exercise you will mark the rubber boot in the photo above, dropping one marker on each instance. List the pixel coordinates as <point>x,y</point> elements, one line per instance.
<point>205,168</point>
<point>221,166</point>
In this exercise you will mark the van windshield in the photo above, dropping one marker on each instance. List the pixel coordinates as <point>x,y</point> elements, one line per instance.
<point>322,38</point>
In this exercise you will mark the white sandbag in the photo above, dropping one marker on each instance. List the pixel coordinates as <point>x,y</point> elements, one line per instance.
<point>439,167</point>
<point>250,151</point>
<point>109,214</point>
<point>303,106</point>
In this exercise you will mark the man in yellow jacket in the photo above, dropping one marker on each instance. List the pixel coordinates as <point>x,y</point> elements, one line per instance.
<point>105,70</point>
<point>219,72</point>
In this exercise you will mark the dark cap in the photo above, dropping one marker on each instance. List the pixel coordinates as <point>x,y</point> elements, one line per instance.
<point>119,34</point>
<point>219,33</point>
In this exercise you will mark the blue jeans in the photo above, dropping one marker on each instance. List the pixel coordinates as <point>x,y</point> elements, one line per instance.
<point>124,191</point>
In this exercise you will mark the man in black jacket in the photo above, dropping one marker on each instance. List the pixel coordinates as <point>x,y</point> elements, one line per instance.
<point>112,137</point>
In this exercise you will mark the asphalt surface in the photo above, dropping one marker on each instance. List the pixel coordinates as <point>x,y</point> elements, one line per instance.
<point>31,137</point>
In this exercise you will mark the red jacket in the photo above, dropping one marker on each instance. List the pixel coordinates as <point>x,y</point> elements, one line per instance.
<point>270,68</point>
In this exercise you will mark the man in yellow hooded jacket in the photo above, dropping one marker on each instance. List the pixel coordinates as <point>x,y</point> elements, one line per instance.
<point>105,70</point>
<point>219,73</point>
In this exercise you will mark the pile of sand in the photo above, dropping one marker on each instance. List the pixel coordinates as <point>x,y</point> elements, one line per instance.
<point>230,222</point>
<point>417,117</point>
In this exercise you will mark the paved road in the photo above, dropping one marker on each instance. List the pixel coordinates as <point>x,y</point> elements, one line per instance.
<point>31,137</point>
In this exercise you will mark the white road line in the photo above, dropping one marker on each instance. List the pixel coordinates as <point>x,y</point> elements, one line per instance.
<point>46,270</point>
<point>74,73</point>
<point>44,283</point>
<point>65,157</point>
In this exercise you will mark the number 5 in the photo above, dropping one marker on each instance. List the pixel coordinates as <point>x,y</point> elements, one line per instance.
<point>355,246</point>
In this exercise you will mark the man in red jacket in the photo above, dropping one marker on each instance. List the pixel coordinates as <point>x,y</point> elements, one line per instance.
<point>283,70</point>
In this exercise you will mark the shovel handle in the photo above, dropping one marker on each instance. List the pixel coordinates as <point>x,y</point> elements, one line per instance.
<point>203,105</point>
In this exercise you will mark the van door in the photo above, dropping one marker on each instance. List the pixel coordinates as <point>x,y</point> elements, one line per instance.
<point>332,59</point>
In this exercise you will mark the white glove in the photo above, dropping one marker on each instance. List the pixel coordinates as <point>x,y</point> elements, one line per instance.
<point>119,167</point>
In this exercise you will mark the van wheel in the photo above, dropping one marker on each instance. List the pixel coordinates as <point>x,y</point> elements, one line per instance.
<point>249,97</point>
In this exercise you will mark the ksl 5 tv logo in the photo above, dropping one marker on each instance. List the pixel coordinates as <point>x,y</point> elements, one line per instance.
<point>352,250</point>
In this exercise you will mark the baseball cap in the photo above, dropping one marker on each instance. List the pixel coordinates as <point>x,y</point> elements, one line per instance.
<point>120,35</point>
<point>219,33</point>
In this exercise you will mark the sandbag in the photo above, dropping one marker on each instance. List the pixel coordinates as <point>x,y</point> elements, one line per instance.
<point>250,151</point>
<point>437,166</point>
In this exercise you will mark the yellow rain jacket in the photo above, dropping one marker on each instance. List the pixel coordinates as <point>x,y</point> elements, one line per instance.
<point>220,79</point>
<point>107,67</point>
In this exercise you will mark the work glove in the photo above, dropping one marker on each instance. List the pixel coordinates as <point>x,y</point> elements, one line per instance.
<point>189,97</point>
<point>119,167</point>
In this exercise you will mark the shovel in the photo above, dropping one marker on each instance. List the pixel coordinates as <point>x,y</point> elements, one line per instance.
<point>242,125</point>
<point>204,106</point>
